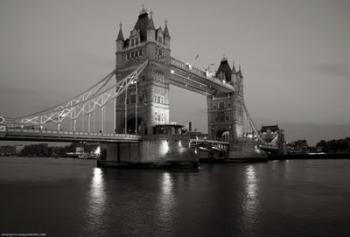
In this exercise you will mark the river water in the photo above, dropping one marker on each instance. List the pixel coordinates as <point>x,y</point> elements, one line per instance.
<point>67,197</point>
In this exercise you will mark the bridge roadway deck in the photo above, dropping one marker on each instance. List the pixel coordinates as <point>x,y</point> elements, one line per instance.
<point>17,134</point>
<point>194,79</point>
<point>14,134</point>
<point>266,147</point>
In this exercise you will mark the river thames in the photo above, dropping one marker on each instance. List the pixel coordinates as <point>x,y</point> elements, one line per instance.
<point>67,197</point>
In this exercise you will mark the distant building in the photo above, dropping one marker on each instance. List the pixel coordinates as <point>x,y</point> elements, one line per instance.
<point>274,136</point>
<point>269,133</point>
<point>7,150</point>
<point>299,146</point>
<point>19,149</point>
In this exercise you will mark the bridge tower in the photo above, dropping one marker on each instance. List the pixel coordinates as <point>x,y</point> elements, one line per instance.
<point>151,94</point>
<point>226,110</point>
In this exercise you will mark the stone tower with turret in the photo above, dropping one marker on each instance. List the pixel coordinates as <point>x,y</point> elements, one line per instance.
<point>151,97</point>
<point>226,110</point>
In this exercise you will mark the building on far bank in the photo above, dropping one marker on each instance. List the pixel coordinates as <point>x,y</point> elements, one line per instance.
<point>11,150</point>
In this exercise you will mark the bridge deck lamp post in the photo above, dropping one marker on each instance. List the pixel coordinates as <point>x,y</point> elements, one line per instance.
<point>102,118</point>
<point>136,100</point>
<point>82,122</point>
<point>126,111</point>
<point>115,115</point>
<point>89,120</point>
<point>74,125</point>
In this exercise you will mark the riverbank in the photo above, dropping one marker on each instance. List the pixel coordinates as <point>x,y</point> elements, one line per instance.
<point>310,156</point>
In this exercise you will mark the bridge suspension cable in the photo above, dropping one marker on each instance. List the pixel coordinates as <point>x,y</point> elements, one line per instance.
<point>252,125</point>
<point>96,96</point>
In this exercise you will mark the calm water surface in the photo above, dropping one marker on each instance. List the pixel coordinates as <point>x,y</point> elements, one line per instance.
<point>66,197</point>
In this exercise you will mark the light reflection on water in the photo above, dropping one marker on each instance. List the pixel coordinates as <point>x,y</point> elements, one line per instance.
<point>251,199</point>
<point>97,200</point>
<point>166,199</point>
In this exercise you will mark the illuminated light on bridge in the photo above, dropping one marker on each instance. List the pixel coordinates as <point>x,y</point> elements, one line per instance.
<point>257,149</point>
<point>98,151</point>
<point>164,147</point>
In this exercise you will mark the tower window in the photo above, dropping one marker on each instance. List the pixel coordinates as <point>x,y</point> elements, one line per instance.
<point>140,52</point>
<point>136,41</point>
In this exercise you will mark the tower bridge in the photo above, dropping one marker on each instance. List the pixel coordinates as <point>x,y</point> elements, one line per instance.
<point>139,100</point>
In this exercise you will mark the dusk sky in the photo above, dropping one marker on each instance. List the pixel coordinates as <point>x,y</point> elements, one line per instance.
<point>295,55</point>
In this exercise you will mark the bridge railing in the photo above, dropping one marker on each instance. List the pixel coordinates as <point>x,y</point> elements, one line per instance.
<point>187,67</point>
<point>52,133</point>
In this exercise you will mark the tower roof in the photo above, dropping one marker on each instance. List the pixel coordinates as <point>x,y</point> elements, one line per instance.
<point>225,69</point>
<point>166,31</point>
<point>120,34</point>
<point>143,24</point>
<point>272,128</point>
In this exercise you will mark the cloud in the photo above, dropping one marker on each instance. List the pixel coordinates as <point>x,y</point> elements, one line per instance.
<point>200,111</point>
<point>94,59</point>
<point>17,91</point>
<point>331,69</point>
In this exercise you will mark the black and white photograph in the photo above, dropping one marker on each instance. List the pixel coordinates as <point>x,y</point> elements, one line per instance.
<point>172,118</point>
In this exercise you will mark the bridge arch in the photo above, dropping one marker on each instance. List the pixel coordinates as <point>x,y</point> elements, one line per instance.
<point>223,135</point>
<point>131,124</point>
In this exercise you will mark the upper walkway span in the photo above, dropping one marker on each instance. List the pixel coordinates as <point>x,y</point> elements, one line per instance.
<point>191,78</point>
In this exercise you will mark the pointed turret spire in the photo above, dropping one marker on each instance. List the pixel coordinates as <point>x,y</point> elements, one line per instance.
<point>166,31</point>
<point>224,59</point>
<point>150,24</point>
<point>240,72</point>
<point>233,67</point>
<point>120,34</point>
<point>143,10</point>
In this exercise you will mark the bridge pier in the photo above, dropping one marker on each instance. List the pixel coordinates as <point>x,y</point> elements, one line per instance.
<point>245,150</point>
<point>153,151</point>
